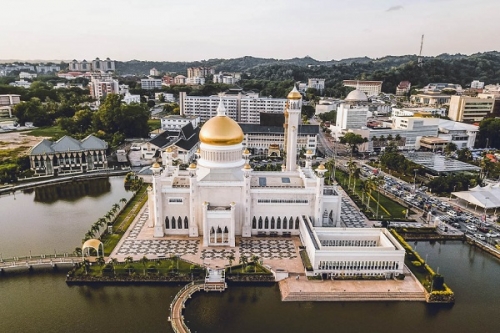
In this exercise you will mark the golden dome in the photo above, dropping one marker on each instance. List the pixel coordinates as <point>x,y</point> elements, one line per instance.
<point>309,152</point>
<point>294,94</point>
<point>198,151</point>
<point>192,166</point>
<point>156,165</point>
<point>246,151</point>
<point>321,167</point>
<point>247,167</point>
<point>168,150</point>
<point>221,130</point>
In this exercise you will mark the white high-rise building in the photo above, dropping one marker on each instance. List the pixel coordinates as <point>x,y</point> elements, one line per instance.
<point>150,83</point>
<point>244,108</point>
<point>318,84</point>
<point>101,86</point>
<point>371,88</point>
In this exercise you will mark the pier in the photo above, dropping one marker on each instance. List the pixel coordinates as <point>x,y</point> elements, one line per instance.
<point>214,281</point>
<point>43,261</point>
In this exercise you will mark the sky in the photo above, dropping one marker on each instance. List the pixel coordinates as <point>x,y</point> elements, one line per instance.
<point>189,30</point>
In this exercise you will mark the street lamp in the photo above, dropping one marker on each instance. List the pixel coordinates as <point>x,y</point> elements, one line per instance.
<point>485,208</point>
<point>415,180</point>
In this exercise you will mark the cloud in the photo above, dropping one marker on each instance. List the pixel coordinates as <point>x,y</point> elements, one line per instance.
<point>394,8</point>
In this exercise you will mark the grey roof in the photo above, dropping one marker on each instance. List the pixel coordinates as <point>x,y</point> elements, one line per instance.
<point>255,128</point>
<point>67,143</point>
<point>44,146</point>
<point>191,142</point>
<point>164,139</point>
<point>93,142</point>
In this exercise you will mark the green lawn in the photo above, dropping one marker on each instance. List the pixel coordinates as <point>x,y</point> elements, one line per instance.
<point>388,207</point>
<point>53,131</point>
<point>154,124</point>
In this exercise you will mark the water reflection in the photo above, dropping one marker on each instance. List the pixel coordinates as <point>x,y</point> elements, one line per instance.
<point>72,191</point>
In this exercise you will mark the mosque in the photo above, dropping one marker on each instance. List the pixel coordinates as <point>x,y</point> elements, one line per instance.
<point>221,198</point>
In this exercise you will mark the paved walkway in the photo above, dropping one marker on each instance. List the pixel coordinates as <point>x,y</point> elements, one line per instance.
<point>138,241</point>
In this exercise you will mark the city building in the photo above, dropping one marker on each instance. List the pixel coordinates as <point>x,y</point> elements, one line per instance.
<point>403,88</point>
<point>97,64</point>
<point>102,85</point>
<point>200,71</point>
<point>167,96</point>
<point>167,80</point>
<point>430,99</point>
<point>181,144</point>
<point>470,109</point>
<point>226,78</point>
<point>151,83</point>
<point>318,84</point>
<point>370,88</point>
<point>128,98</point>
<point>47,68</point>
<point>326,105</point>
<point>68,155</point>
<point>440,87</point>
<point>154,72</point>
<point>221,198</point>
<point>461,134</point>
<point>25,75</point>
<point>241,106</point>
<point>123,89</point>
<point>21,83</point>
<point>7,103</point>
<point>9,68</point>
<point>195,81</point>
<point>180,79</point>
<point>418,111</point>
<point>175,123</point>
<point>476,84</point>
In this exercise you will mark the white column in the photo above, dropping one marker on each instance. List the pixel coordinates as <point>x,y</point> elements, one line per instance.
<point>151,207</point>
<point>205,226</point>
<point>157,205</point>
<point>292,133</point>
<point>232,242</point>
<point>193,187</point>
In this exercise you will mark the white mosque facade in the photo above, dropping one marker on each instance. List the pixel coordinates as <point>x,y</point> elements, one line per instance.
<point>221,198</point>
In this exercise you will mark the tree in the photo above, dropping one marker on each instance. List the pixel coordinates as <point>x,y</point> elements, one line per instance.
<point>115,208</point>
<point>230,258</point>
<point>78,251</point>
<point>123,201</point>
<point>450,148</point>
<point>255,260</point>
<point>144,261</point>
<point>128,263</point>
<point>353,140</point>
<point>86,265</point>
<point>243,260</point>
<point>100,261</point>
<point>114,262</point>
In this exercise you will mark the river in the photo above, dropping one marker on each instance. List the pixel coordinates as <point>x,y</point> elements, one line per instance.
<point>44,303</point>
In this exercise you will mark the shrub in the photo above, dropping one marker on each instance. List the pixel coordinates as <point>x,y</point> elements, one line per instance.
<point>249,269</point>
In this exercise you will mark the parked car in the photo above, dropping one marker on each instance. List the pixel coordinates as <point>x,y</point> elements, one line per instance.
<point>480,236</point>
<point>471,228</point>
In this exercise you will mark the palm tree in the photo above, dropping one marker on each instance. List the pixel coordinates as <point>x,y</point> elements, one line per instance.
<point>86,265</point>
<point>230,258</point>
<point>101,221</point>
<point>90,234</point>
<point>368,188</point>
<point>397,138</point>
<point>356,175</point>
<point>128,263</point>
<point>351,165</point>
<point>390,138</point>
<point>116,208</point>
<point>95,229</point>
<point>100,261</point>
<point>114,262</point>
<point>123,201</point>
<point>243,260</point>
<point>144,261</point>
<point>255,260</point>
<point>78,251</point>
<point>108,216</point>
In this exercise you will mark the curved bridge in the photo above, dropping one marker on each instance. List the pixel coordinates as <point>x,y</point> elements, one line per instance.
<point>214,281</point>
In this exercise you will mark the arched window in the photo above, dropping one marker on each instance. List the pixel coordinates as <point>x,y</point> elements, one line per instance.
<point>219,230</point>
<point>278,223</point>
<point>266,223</point>
<point>297,223</point>
<point>290,223</point>
<point>225,230</point>
<point>179,223</point>
<point>285,220</point>
<point>260,222</point>
<point>167,223</point>
<point>272,222</point>
<point>186,222</point>
<point>254,223</point>
<point>173,222</point>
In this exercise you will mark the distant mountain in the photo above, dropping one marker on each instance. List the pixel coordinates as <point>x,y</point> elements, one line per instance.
<point>249,63</point>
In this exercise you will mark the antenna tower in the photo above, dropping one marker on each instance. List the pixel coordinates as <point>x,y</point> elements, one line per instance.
<point>420,53</point>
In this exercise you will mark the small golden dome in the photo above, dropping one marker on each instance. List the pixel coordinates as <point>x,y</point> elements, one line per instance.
<point>246,151</point>
<point>309,152</point>
<point>168,150</point>
<point>198,151</point>
<point>294,94</point>
<point>192,166</point>
<point>321,167</point>
<point>247,167</point>
<point>221,131</point>
<point>156,165</point>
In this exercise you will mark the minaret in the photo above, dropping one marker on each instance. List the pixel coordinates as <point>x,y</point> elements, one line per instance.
<point>293,109</point>
<point>320,182</point>
<point>193,191</point>
<point>157,204</point>
<point>247,173</point>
